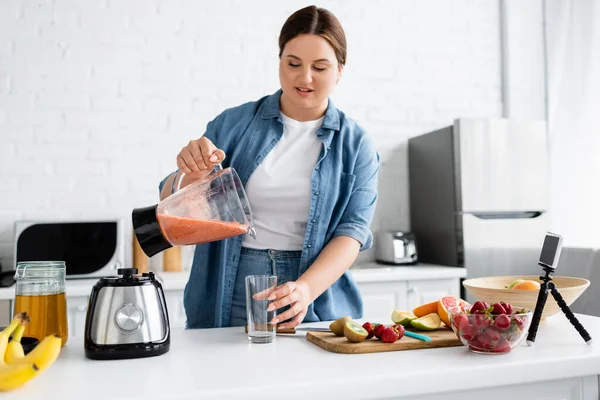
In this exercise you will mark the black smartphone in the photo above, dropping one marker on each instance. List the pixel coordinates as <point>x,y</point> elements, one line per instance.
<point>551,251</point>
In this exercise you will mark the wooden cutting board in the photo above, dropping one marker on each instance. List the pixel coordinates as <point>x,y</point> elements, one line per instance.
<point>443,337</point>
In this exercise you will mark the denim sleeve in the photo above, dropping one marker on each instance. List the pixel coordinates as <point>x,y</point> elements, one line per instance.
<point>356,218</point>
<point>210,133</point>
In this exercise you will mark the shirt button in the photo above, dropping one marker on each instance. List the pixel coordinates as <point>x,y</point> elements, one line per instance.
<point>318,133</point>
<point>316,168</point>
<point>329,148</point>
<point>309,246</point>
<point>313,221</point>
<point>316,193</point>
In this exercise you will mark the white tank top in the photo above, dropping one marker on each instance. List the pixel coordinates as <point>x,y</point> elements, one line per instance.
<point>279,190</point>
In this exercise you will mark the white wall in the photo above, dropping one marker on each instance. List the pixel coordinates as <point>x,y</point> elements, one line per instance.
<point>98,96</point>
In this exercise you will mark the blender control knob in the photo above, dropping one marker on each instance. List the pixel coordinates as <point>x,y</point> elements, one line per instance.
<point>129,317</point>
<point>127,272</point>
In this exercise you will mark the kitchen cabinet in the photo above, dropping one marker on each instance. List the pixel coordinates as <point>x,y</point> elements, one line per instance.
<point>562,389</point>
<point>383,290</point>
<point>77,305</point>
<point>424,291</point>
<point>381,298</point>
<point>174,299</point>
<point>76,311</point>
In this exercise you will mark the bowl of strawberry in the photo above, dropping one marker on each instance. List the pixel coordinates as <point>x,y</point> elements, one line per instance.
<point>491,329</point>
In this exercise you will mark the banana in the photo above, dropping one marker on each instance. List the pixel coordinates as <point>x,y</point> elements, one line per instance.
<point>15,376</point>
<point>14,350</point>
<point>19,319</point>
<point>44,354</point>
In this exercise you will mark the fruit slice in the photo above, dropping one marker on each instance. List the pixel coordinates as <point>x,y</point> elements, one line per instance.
<point>429,322</point>
<point>513,283</point>
<point>403,317</point>
<point>425,309</point>
<point>527,285</point>
<point>452,304</point>
<point>354,332</point>
<point>337,326</point>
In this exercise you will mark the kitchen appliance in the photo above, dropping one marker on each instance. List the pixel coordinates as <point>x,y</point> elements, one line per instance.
<point>127,317</point>
<point>395,248</point>
<point>479,195</point>
<point>90,249</point>
<point>206,210</point>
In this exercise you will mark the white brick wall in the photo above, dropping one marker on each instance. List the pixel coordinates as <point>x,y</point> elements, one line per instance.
<point>98,96</point>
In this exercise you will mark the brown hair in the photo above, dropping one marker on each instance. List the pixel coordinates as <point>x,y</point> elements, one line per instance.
<point>315,21</point>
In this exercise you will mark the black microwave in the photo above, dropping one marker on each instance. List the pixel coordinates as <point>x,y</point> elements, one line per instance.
<point>90,249</point>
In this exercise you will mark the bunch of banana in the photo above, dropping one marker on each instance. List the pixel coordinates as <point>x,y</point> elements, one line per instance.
<point>16,368</point>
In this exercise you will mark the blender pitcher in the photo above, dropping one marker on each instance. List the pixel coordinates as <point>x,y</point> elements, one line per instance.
<point>204,211</point>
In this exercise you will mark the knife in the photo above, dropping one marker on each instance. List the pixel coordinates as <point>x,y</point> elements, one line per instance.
<point>294,330</point>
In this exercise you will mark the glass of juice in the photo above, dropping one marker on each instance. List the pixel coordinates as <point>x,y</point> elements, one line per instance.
<point>40,292</point>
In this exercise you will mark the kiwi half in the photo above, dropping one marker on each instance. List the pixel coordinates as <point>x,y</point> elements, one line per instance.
<point>354,332</point>
<point>337,326</point>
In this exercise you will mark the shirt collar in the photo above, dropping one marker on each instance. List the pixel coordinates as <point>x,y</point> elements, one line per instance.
<point>331,119</point>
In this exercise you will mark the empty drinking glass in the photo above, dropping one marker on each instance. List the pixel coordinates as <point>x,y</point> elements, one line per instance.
<point>258,289</point>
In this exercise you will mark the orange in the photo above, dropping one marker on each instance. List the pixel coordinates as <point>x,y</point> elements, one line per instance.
<point>425,309</point>
<point>450,304</point>
<point>527,285</point>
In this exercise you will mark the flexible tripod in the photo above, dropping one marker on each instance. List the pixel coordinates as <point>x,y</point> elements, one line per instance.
<point>541,302</point>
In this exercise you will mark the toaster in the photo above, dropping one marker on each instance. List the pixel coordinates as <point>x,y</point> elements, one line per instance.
<point>127,317</point>
<point>396,248</point>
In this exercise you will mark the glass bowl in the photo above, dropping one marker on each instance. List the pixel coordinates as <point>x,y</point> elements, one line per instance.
<point>487,333</point>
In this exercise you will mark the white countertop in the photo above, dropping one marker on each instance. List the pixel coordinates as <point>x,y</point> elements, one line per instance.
<point>219,363</point>
<point>369,272</point>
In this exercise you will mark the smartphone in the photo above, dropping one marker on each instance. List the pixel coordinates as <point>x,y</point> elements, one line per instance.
<point>551,250</point>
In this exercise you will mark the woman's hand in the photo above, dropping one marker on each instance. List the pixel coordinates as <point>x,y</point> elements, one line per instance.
<point>296,295</point>
<point>199,156</point>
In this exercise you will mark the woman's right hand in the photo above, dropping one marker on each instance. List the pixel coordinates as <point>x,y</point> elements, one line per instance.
<point>199,157</point>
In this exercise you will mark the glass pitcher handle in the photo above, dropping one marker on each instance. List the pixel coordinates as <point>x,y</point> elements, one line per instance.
<point>175,186</point>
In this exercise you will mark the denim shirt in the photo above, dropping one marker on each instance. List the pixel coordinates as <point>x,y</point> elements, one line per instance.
<point>344,196</point>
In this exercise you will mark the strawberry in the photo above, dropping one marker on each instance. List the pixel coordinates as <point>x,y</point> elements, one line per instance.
<point>479,306</point>
<point>481,322</point>
<point>507,307</point>
<point>400,329</point>
<point>370,328</point>
<point>486,342</point>
<point>502,346</point>
<point>493,334</point>
<point>389,335</point>
<point>459,321</point>
<point>497,308</point>
<point>379,330</point>
<point>468,332</point>
<point>520,321</point>
<point>475,344</point>
<point>502,322</point>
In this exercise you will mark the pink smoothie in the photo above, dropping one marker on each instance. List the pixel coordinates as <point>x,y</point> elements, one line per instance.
<point>181,231</point>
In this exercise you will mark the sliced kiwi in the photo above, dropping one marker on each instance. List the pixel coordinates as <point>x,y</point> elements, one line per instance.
<point>354,332</point>
<point>337,326</point>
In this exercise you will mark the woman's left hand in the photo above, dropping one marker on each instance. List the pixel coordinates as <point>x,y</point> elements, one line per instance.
<point>296,295</point>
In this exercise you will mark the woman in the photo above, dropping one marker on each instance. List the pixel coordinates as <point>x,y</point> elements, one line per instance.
<point>310,174</point>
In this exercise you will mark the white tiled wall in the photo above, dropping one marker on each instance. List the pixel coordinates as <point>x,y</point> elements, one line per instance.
<point>98,96</point>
